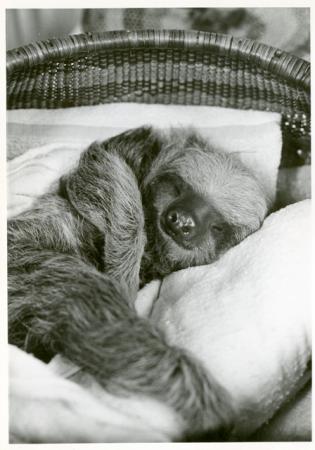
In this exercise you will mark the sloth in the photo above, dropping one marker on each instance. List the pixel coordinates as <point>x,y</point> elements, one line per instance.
<point>136,207</point>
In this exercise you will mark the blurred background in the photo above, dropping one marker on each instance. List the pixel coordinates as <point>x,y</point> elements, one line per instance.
<point>285,28</point>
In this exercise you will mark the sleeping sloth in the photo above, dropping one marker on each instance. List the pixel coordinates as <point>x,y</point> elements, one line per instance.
<point>136,207</point>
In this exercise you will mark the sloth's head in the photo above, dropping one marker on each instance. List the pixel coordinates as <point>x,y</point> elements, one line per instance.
<point>199,203</point>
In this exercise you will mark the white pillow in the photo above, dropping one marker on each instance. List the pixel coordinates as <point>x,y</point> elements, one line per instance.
<point>247,316</point>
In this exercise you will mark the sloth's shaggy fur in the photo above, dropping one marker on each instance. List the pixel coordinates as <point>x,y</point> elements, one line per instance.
<point>77,258</point>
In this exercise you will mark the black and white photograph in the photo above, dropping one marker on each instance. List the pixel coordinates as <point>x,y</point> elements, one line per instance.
<point>158,223</point>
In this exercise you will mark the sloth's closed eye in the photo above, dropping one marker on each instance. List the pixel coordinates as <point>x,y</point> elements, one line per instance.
<point>217,228</point>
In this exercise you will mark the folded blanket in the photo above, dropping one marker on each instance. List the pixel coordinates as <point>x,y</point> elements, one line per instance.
<point>44,144</point>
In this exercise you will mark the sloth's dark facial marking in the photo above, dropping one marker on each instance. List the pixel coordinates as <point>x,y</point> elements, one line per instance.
<point>184,228</point>
<point>190,220</point>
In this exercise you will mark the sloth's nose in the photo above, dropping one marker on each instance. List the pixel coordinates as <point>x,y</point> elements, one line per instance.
<point>180,223</point>
<point>186,219</point>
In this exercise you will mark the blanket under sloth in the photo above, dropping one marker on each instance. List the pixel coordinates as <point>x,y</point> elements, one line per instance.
<point>246,316</point>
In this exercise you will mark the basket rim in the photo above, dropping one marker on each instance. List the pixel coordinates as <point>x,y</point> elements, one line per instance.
<point>272,59</point>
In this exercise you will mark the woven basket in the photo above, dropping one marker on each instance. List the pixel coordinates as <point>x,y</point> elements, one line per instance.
<point>178,67</point>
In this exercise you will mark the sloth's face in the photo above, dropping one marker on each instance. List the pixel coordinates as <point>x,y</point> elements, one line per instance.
<point>197,206</point>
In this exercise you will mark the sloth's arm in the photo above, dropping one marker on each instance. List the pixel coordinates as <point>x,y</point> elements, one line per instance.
<point>138,147</point>
<point>104,192</point>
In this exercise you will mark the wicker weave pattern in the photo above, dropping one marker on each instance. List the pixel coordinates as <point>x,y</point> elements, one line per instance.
<point>179,67</point>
